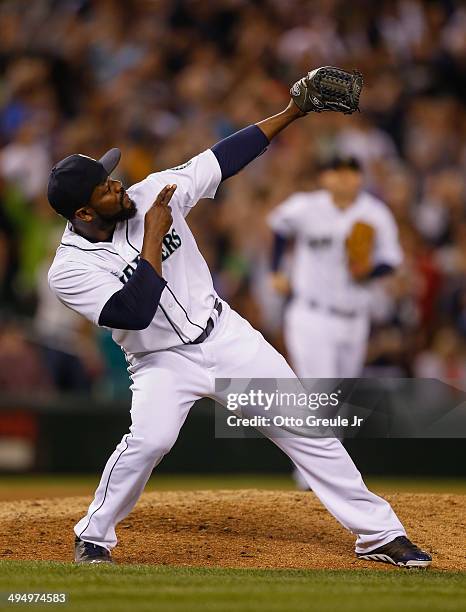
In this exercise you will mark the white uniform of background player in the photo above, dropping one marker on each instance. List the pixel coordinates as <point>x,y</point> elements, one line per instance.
<point>326,322</point>
<point>169,374</point>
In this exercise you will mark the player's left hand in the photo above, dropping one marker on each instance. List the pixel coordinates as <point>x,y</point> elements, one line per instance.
<point>359,250</point>
<point>328,89</point>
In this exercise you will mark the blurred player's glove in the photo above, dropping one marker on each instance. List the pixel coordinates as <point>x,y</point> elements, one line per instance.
<point>359,250</point>
<point>328,89</point>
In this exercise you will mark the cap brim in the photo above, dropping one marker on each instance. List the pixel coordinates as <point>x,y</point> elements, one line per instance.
<point>110,160</point>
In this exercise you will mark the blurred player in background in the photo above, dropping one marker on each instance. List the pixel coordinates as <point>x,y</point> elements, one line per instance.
<point>343,238</point>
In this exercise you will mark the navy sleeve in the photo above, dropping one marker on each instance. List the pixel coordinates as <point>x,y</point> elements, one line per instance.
<point>135,304</point>
<point>236,151</point>
<point>278,249</point>
<point>381,269</point>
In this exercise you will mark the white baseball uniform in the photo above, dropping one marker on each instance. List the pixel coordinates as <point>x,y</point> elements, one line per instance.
<point>327,320</point>
<point>169,374</point>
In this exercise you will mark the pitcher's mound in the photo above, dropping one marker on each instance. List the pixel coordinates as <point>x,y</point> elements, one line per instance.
<point>245,528</point>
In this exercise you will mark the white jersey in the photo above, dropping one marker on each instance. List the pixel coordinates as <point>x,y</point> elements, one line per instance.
<point>319,271</point>
<point>84,275</point>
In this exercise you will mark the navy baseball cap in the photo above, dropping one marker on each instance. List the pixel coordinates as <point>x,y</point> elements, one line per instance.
<point>337,162</point>
<point>74,178</point>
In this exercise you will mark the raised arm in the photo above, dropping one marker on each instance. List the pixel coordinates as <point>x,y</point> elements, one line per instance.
<point>236,151</point>
<point>323,89</point>
<point>275,124</point>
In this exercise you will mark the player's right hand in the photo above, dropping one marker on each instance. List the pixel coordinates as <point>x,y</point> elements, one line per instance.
<point>280,283</point>
<point>158,218</point>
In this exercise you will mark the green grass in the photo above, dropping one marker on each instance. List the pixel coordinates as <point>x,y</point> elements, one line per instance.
<point>67,483</point>
<point>170,589</point>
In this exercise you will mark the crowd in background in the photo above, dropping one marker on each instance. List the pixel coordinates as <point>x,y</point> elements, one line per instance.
<point>164,80</point>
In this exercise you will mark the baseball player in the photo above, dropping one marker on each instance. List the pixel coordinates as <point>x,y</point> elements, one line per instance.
<point>129,262</point>
<point>343,238</point>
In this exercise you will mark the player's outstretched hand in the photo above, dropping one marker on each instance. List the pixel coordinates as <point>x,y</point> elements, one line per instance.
<point>323,89</point>
<point>328,89</point>
<point>158,218</point>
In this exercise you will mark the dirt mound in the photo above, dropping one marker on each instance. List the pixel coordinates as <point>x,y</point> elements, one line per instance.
<point>245,528</point>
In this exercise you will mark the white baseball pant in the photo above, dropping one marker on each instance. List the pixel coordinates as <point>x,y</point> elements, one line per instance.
<point>165,386</point>
<point>324,345</point>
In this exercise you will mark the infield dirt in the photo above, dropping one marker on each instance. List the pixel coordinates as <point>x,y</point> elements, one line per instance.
<point>242,528</point>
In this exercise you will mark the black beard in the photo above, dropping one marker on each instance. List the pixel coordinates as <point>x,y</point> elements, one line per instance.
<point>123,215</point>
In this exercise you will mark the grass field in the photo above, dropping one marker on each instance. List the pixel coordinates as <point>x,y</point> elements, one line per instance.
<point>47,485</point>
<point>161,588</point>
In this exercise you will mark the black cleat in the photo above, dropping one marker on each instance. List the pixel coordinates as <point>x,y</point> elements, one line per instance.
<point>86,552</point>
<point>401,552</point>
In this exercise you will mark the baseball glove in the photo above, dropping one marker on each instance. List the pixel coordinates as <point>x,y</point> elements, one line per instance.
<point>328,89</point>
<point>359,249</point>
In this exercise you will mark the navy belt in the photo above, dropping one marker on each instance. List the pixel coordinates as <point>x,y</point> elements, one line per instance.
<point>334,310</point>
<point>210,324</point>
